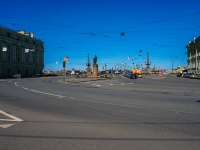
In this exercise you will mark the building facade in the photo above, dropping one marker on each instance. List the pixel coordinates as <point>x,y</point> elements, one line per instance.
<point>20,53</point>
<point>193,51</point>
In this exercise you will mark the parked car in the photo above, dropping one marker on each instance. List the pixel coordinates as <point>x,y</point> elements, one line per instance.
<point>197,76</point>
<point>131,75</point>
<point>194,76</point>
<point>140,75</point>
<point>191,76</point>
<point>117,72</point>
<point>124,73</point>
<point>17,76</point>
<point>188,75</point>
<point>147,73</point>
<point>179,74</point>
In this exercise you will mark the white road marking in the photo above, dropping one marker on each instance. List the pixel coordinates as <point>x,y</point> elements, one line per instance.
<point>96,84</point>
<point>59,96</point>
<point>127,106</point>
<point>5,125</point>
<point>114,104</point>
<point>13,118</point>
<point>73,98</point>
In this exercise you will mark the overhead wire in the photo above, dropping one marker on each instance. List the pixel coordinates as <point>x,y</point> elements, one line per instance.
<point>96,34</point>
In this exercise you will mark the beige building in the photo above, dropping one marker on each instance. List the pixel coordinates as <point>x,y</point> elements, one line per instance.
<point>193,51</point>
<point>20,53</point>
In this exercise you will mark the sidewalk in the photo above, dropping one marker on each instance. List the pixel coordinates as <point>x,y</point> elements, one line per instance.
<point>157,76</point>
<point>77,80</point>
<point>70,79</point>
<point>7,79</point>
<point>153,76</point>
<point>2,80</point>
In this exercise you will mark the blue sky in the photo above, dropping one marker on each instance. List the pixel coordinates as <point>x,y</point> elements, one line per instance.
<point>76,28</point>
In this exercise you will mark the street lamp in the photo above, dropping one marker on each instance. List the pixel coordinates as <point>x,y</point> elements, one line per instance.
<point>64,68</point>
<point>173,64</point>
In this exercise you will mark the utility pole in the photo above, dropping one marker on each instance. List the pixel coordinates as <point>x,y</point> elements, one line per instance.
<point>64,68</point>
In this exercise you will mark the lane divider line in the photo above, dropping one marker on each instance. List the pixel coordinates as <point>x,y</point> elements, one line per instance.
<point>113,104</point>
<point>59,96</point>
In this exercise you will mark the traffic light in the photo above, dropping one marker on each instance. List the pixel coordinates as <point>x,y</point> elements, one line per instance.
<point>63,64</point>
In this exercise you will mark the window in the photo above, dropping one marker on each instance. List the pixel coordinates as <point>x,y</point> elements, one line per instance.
<point>8,34</point>
<point>4,56</point>
<point>31,57</point>
<point>3,32</point>
<point>9,57</point>
<point>22,38</point>
<point>18,38</point>
<point>14,53</point>
<point>18,59</point>
<point>27,60</point>
<point>193,65</point>
<point>42,58</point>
<point>38,60</point>
<point>8,46</point>
<point>23,53</point>
<point>4,52</point>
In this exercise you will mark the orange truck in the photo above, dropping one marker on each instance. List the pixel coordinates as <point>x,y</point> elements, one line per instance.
<point>137,72</point>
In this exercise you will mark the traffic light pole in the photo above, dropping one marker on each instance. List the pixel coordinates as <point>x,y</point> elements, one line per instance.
<point>64,70</point>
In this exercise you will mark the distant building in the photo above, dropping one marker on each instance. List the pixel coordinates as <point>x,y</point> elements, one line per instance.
<point>20,53</point>
<point>193,52</point>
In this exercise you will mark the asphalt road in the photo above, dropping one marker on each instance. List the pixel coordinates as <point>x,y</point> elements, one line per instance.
<point>147,113</point>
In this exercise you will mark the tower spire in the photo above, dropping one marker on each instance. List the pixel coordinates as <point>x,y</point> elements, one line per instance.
<point>148,63</point>
<point>88,64</point>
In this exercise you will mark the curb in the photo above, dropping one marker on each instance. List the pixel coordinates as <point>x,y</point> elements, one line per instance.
<point>80,80</point>
<point>2,80</point>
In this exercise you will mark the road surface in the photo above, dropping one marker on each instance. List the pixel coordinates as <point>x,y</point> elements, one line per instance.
<point>119,113</point>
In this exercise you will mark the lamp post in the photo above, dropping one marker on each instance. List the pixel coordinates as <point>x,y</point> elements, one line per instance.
<point>173,64</point>
<point>64,68</point>
<point>196,56</point>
